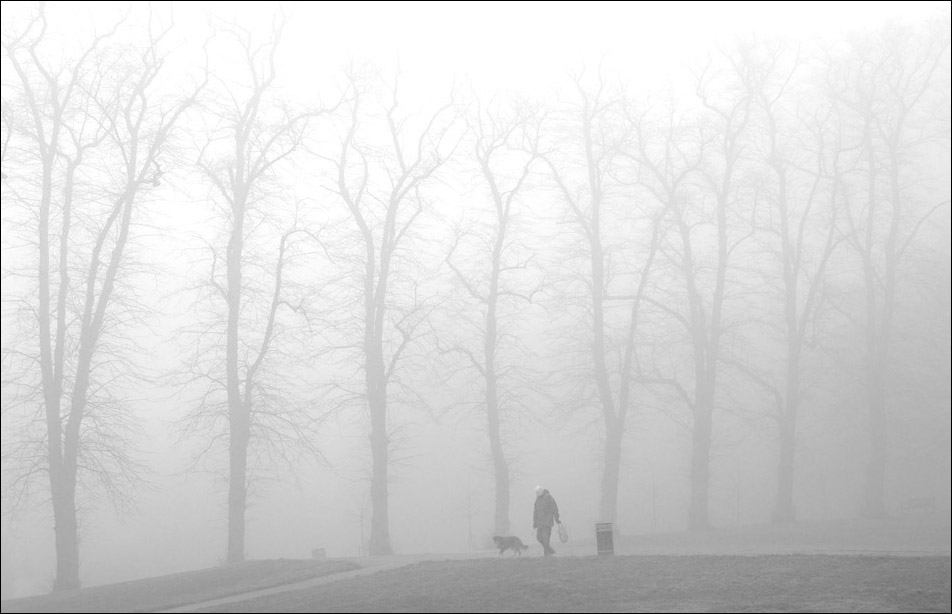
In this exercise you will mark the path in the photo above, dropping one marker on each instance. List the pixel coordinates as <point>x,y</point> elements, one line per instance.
<point>369,565</point>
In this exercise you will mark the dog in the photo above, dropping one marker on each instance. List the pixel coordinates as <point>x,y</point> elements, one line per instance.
<point>509,542</point>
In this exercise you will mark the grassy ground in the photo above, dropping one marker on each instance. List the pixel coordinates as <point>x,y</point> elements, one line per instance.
<point>833,566</point>
<point>775,583</point>
<point>179,589</point>
<point>924,535</point>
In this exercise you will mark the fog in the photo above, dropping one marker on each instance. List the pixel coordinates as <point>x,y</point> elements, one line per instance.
<point>358,277</point>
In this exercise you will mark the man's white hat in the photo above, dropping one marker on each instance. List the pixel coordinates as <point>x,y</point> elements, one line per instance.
<point>539,490</point>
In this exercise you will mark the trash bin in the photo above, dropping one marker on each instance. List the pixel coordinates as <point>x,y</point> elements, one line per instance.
<point>603,538</point>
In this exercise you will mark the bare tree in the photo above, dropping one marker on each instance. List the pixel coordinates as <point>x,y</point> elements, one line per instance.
<point>90,144</point>
<point>503,148</point>
<point>669,159</point>
<point>693,171</point>
<point>727,102</point>
<point>886,89</point>
<point>242,160</point>
<point>382,184</point>
<point>803,175</point>
<point>599,205</point>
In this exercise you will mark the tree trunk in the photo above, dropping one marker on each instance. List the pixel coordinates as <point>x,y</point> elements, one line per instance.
<point>614,425</point>
<point>380,522</point>
<point>500,466</point>
<point>878,345</point>
<point>67,535</point>
<point>610,473</point>
<point>700,466</point>
<point>237,486</point>
<point>64,496</point>
<point>501,474</point>
<point>62,488</point>
<point>376,381</point>
<point>875,487</point>
<point>784,509</point>
<point>238,413</point>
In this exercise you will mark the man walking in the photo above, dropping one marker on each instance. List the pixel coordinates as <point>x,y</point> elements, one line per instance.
<point>545,513</point>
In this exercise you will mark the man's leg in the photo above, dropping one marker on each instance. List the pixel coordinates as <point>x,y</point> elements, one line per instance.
<point>545,534</point>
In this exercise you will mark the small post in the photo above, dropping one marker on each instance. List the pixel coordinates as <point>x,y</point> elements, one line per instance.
<point>603,538</point>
